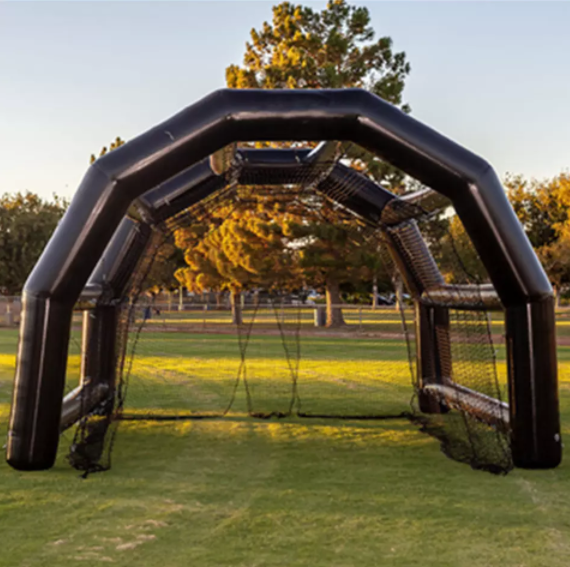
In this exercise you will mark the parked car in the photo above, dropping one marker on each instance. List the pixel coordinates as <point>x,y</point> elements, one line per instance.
<point>385,299</point>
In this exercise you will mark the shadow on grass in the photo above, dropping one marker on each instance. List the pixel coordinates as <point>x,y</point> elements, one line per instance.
<point>243,492</point>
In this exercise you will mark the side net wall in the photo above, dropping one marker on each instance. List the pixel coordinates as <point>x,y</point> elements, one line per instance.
<point>259,349</point>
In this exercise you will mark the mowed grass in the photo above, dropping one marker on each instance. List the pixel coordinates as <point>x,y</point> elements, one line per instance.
<point>243,492</point>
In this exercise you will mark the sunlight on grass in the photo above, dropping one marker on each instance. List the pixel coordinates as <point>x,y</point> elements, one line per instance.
<point>7,362</point>
<point>241,429</point>
<point>239,492</point>
<point>371,378</point>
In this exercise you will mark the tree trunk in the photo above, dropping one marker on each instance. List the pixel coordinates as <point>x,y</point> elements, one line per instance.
<point>557,296</point>
<point>235,299</point>
<point>9,312</point>
<point>399,289</point>
<point>374,292</point>
<point>219,298</point>
<point>334,313</point>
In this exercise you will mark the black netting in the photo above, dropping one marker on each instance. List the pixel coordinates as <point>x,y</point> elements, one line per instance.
<point>458,395</point>
<point>430,358</point>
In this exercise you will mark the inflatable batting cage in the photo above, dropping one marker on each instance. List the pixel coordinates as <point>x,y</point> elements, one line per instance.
<point>174,175</point>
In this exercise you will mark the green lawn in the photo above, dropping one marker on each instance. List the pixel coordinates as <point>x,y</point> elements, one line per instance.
<point>243,492</point>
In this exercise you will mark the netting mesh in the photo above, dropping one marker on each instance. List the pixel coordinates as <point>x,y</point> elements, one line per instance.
<point>424,359</point>
<point>457,376</point>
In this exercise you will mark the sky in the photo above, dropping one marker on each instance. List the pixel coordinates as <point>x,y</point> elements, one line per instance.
<point>493,76</point>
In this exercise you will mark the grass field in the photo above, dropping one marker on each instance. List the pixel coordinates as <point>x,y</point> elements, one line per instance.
<point>243,492</point>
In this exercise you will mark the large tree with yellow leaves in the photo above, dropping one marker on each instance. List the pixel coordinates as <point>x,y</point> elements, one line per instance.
<point>543,207</point>
<point>261,244</point>
<point>332,48</point>
<point>238,248</point>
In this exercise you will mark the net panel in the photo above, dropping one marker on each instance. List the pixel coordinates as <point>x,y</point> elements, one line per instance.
<point>469,417</point>
<point>273,361</point>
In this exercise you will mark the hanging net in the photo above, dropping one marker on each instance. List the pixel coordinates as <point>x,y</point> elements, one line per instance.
<point>266,345</point>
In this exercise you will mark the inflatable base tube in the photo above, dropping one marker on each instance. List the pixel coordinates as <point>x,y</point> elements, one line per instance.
<point>533,391</point>
<point>36,404</point>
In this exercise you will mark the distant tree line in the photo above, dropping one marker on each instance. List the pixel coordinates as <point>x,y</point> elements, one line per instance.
<point>26,224</point>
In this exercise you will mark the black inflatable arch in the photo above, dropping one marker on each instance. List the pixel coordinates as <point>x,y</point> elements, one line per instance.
<point>114,181</point>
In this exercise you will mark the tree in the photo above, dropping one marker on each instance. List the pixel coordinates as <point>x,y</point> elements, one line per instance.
<point>543,207</point>
<point>26,224</point>
<point>555,258</point>
<point>456,255</point>
<point>117,143</point>
<point>168,258</point>
<point>332,254</point>
<point>333,48</point>
<point>236,249</point>
<point>303,48</point>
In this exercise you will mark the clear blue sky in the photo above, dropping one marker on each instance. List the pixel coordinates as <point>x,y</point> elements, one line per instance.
<point>494,76</point>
